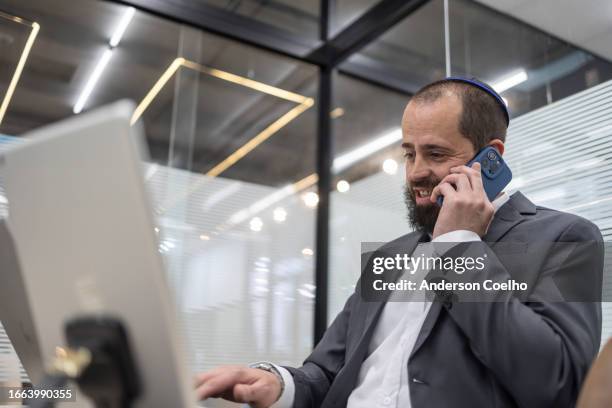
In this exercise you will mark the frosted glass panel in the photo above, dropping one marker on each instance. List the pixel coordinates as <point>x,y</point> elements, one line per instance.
<point>243,293</point>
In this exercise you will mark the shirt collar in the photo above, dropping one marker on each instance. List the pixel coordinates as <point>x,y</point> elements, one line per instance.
<point>501,199</point>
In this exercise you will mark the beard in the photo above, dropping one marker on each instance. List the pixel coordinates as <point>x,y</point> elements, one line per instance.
<point>421,217</point>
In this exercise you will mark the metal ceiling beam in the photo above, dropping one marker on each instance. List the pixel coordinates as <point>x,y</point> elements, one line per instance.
<point>230,25</point>
<point>378,19</point>
<point>378,78</point>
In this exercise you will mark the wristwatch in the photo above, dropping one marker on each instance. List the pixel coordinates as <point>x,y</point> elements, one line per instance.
<point>264,365</point>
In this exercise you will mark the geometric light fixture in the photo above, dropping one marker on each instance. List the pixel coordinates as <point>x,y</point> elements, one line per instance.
<point>22,60</point>
<point>303,103</point>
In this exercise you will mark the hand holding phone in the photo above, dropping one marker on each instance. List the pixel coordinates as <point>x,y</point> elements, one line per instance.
<point>496,174</point>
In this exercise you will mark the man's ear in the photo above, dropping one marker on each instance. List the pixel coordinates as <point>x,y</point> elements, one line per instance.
<point>498,145</point>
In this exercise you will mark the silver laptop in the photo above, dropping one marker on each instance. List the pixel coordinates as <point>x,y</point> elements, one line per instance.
<point>83,232</point>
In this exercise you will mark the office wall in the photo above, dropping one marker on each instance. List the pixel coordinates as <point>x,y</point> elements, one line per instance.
<point>243,293</point>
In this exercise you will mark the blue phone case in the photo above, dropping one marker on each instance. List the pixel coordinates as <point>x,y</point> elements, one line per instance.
<point>495,172</point>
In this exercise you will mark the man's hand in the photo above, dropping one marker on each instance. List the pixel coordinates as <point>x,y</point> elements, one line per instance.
<point>239,384</point>
<point>466,205</point>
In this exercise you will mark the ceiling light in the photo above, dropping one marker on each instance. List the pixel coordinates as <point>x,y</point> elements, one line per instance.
<point>343,186</point>
<point>93,80</point>
<point>390,166</point>
<point>97,72</point>
<point>256,224</point>
<point>346,160</point>
<point>304,103</point>
<point>123,23</point>
<point>307,252</point>
<point>272,199</point>
<point>204,237</point>
<point>165,77</point>
<point>22,60</point>
<point>509,81</point>
<point>306,293</point>
<point>311,199</point>
<point>336,113</point>
<point>279,214</point>
<point>258,139</point>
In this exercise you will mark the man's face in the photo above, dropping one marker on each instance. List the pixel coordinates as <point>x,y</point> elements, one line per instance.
<point>432,145</point>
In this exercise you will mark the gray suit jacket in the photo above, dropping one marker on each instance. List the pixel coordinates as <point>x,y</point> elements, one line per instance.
<point>531,353</point>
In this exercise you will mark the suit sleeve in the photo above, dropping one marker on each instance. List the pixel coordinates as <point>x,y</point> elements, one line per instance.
<point>539,349</point>
<point>313,379</point>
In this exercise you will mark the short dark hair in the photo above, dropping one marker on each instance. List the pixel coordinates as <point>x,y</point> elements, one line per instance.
<point>481,120</point>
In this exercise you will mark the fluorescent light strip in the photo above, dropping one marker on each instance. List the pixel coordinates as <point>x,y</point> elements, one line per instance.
<point>509,81</point>
<point>121,27</point>
<point>346,160</point>
<point>22,60</point>
<point>103,62</point>
<point>93,79</point>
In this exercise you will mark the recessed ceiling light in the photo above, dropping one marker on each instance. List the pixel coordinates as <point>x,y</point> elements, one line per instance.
<point>311,199</point>
<point>307,252</point>
<point>256,224</point>
<point>279,214</point>
<point>390,166</point>
<point>343,186</point>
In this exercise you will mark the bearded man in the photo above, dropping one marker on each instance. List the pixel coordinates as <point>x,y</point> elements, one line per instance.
<point>532,351</point>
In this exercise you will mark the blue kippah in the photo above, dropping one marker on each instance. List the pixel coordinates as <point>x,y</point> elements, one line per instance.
<point>487,89</point>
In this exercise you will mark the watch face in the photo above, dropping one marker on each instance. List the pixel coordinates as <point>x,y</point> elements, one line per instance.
<point>262,365</point>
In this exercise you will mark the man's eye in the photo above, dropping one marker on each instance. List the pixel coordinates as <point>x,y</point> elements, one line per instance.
<point>409,155</point>
<point>436,155</point>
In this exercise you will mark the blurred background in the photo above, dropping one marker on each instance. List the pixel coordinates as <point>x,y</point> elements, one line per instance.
<point>273,128</point>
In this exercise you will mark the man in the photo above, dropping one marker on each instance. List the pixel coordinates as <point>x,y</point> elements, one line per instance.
<point>533,352</point>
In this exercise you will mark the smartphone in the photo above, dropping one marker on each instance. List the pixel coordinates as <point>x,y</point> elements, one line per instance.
<point>495,172</point>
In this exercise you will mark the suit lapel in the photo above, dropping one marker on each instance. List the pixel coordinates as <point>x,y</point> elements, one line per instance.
<point>505,219</point>
<point>345,381</point>
<point>508,216</point>
<point>374,309</point>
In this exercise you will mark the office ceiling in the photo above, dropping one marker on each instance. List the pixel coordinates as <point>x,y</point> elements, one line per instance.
<point>74,34</point>
<point>585,23</point>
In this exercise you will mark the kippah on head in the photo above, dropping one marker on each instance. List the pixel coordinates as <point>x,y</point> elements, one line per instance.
<point>484,115</point>
<point>488,89</point>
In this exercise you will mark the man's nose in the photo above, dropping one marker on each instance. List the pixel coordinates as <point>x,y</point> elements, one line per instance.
<point>418,170</point>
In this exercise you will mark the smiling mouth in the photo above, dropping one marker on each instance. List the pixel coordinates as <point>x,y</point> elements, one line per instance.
<point>422,193</point>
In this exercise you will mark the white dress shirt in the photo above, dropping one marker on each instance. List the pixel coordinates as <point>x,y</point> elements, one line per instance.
<point>383,377</point>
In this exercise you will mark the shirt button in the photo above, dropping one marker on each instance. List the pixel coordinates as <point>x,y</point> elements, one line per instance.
<point>387,401</point>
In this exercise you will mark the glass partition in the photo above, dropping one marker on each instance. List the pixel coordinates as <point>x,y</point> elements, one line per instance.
<point>232,142</point>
